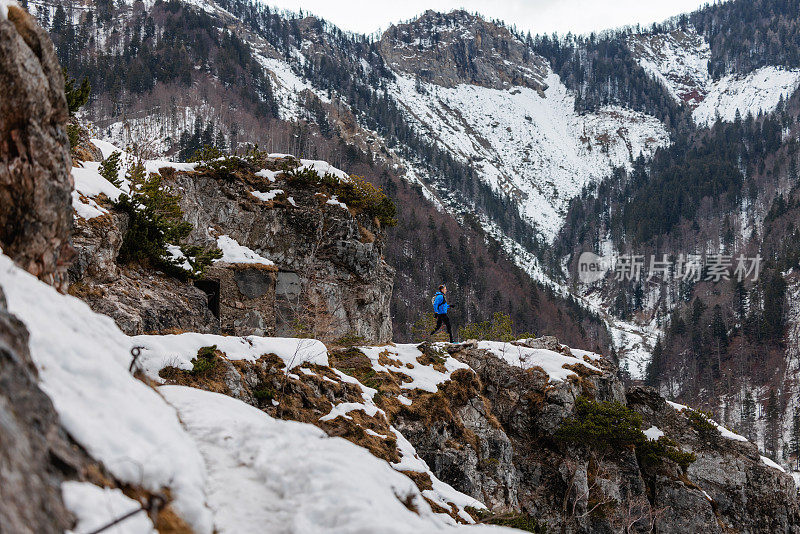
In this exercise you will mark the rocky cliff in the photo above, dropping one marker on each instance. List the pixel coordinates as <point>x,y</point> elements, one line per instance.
<point>321,269</point>
<point>35,221</point>
<point>34,155</point>
<point>462,48</point>
<point>541,434</point>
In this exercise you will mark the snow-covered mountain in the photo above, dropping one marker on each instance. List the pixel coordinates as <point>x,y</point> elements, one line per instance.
<point>530,146</point>
<point>680,60</point>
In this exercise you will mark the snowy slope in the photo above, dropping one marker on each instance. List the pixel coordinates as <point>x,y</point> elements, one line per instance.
<point>83,360</point>
<point>534,149</point>
<point>267,475</point>
<point>678,59</point>
<point>759,91</point>
<point>230,467</point>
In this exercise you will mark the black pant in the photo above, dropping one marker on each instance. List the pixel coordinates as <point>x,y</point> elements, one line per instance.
<point>443,319</point>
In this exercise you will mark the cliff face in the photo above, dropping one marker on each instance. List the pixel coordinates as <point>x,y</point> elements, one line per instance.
<point>321,270</point>
<point>35,219</point>
<point>462,48</point>
<point>331,276</point>
<point>35,184</point>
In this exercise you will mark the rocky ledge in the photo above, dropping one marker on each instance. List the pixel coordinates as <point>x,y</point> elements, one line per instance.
<point>295,258</point>
<point>541,434</point>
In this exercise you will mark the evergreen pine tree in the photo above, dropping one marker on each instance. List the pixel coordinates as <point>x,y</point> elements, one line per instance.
<point>748,416</point>
<point>772,430</point>
<point>794,443</point>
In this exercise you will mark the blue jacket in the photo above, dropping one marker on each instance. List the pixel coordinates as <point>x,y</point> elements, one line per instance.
<point>440,303</point>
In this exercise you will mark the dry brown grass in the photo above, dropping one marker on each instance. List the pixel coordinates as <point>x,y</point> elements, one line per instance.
<point>366,235</point>
<point>384,359</point>
<point>211,380</point>
<point>83,290</point>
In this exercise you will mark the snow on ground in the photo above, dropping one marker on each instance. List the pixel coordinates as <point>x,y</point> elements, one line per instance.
<point>531,148</point>
<point>268,195</point>
<point>86,208</point>
<point>423,377</point>
<point>759,91</point>
<point>287,88</point>
<point>95,507</point>
<point>267,475</point>
<point>268,174</point>
<point>253,472</point>
<point>323,168</point>
<point>551,362</point>
<point>178,350</point>
<point>179,258</point>
<point>158,133</point>
<point>440,493</point>
<point>678,59</point>
<point>83,360</point>
<point>233,252</point>
<point>633,343</point>
<point>676,406</point>
<point>727,433</point>
<point>88,184</point>
<point>653,433</point>
<point>722,430</point>
<point>771,463</point>
<point>334,201</point>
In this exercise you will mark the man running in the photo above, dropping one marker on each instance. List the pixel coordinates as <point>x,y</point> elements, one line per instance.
<point>440,307</point>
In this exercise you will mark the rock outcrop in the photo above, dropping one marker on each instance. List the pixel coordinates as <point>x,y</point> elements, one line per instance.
<point>322,274</point>
<point>35,184</point>
<point>35,454</point>
<point>493,428</point>
<point>448,49</point>
<point>35,222</point>
<point>331,277</point>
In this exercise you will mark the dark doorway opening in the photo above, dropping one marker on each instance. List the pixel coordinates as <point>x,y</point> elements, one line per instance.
<point>211,289</point>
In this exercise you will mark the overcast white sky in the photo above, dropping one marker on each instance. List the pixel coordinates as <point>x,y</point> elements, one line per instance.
<point>538,16</point>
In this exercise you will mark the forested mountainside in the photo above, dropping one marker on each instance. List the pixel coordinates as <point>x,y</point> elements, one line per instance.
<point>724,186</point>
<point>508,155</point>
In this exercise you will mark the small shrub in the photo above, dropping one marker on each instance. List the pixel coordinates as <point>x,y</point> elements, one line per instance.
<point>602,425</point>
<point>109,168</point>
<point>205,362</point>
<point>701,422</point>
<point>74,135</point>
<point>206,154</point>
<point>156,220</point>
<point>356,192</point>
<point>500,328</point>
<point>217,164</point>
<point>361,194</point>
<point>263,393</point>
<point>255,157</point>
<point>77,96</point>
<point>653,452</point>
<point>351,339</point>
